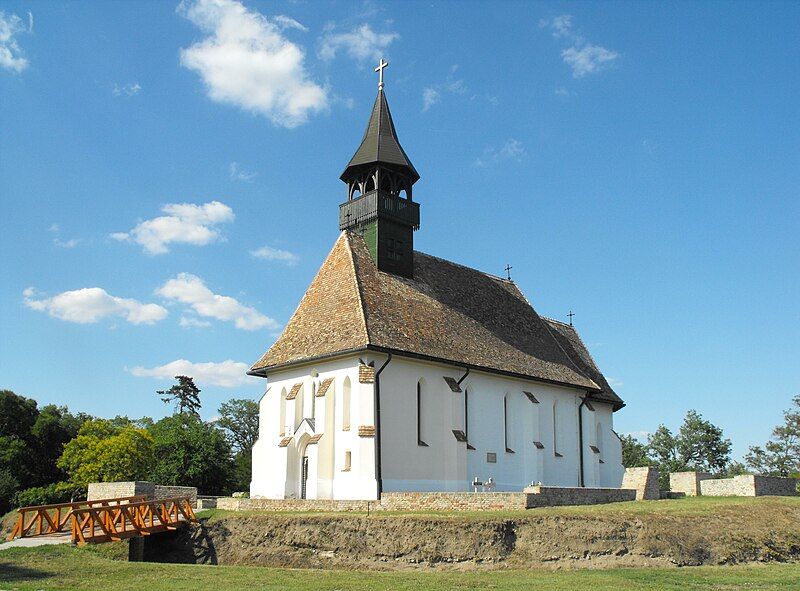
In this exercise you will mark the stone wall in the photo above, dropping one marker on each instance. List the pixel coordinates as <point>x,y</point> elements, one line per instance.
<point>644,480</point>
<point>748,485</point>
<point>687,483</point>
<point>553,496</point>
<point>324,505</point>
<point>112,490</point>
<point>535,496</point>
<point>455,501</point>
<point>168,492</point>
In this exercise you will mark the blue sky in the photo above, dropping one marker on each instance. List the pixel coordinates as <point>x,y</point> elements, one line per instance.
<point>170,185</point>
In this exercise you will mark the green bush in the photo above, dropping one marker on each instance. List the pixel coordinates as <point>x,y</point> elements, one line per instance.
<point>59,492</point>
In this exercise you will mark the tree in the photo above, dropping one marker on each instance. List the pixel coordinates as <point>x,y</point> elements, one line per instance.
<point>185,395</point>
<point>17,415</point>
<point>54,428</point>
<point>239,420</point>
<point>780,456</point>
<point>107,451</point>
<point>189,452</point>
<point>634,452</point>
<point>698,445</point>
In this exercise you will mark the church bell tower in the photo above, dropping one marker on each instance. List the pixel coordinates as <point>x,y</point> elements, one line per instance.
<point>379,180</point>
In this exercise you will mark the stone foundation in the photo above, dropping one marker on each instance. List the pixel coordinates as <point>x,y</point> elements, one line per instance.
<point>644,480</point>
<point>554,496</point>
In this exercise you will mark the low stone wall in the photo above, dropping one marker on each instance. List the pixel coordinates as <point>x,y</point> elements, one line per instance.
<point>454,501</point>
<point>112,490</point>
<point>748,485</point>
<point>168,492</point>
<point>644,480</point>
<point>532,497</point>
<point>324,505</point>
<point>687,483</point>
<point>554,496</point>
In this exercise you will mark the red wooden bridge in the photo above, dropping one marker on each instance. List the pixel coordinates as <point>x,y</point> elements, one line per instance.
<point>104,520</point>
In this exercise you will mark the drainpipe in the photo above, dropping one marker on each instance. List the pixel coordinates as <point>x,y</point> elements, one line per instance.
<point>463,377</point>
<point>580,439</point>
<point>378,475</point>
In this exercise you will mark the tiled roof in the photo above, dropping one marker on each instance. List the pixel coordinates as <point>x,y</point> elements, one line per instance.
<point>447,312</point>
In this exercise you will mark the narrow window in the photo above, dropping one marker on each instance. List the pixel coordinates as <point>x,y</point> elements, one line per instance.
<point>419,415</point>
<point>599,442</point>
<point>298,409</point>
<point>282,427</point>
<point>313,399</point>
<point>466,413</point>
<point>346,405</point>
<point>556,447</point>
<point>347,460</point>
<point>505,424</point>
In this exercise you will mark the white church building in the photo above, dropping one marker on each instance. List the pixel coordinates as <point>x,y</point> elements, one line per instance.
<point>400,371</point>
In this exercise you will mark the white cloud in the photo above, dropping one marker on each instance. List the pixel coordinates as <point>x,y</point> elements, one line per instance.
<point>126,89</point>
<point>192,322</point>
<point>561,91</point>
<point>185,223</point>
<point>287,22</point>
<point>91,304</point>
<point>560,26</point>
<point>583,57</point>
<point>615,383</point>
<point>246,61</point>
<point>227,374</point>
<point>11,55</point>
<point>361,44</point>
<point>433,94</point>
<point>275,254</point>
<point>239,174</point>
<point>511,150</point>
<point>588,59</point>
<point>190,290</point>
<point>430,96</point>
<point>55,230</point>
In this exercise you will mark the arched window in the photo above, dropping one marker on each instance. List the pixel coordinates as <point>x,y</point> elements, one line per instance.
<point>599,443</point>
<point>421,420</point>
<point>313,399</point>
<point>556,446</point>
<point>346,405</point>
<point>298,409</point>
<point>282,414</point>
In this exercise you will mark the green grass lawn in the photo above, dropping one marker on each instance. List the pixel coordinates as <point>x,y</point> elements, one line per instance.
<point>65,567</point>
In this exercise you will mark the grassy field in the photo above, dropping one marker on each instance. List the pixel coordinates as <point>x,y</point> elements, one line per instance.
<point>64,567</point>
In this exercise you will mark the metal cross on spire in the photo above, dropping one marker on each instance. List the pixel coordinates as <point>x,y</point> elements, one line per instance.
<point>508,272</point>
<point>381,65</point>
<point>571,315</point>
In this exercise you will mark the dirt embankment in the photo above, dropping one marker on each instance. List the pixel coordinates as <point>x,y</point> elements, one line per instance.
<point>765,532</point>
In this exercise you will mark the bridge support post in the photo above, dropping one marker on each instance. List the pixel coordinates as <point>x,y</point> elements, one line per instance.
<point>136,549</point>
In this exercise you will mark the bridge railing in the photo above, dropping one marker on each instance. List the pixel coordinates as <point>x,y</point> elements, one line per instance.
<point>114,523</point>
<point>50,519</point>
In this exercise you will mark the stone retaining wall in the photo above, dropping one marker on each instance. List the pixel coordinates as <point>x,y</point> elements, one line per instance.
<point>748,485</point>
<point>168,492</point>
<point>644,480</point>
<point>325,505</point>
<point>454,501</point>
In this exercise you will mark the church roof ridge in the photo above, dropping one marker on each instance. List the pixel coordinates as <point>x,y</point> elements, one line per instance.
<point>448,261</point>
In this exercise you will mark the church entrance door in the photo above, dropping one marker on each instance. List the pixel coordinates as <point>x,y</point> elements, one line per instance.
<point>303,477</point>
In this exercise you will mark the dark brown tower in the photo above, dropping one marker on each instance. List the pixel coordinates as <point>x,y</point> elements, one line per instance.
<point>379,206</point>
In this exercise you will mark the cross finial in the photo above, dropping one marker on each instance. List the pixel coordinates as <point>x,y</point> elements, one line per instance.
<point>508,272</point>
<point>571,314</point>
<point>381,65</point>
